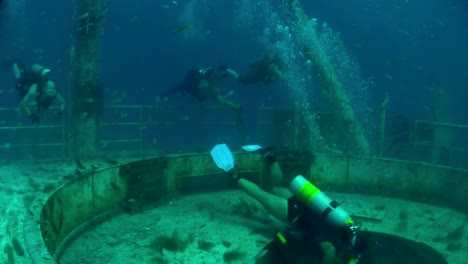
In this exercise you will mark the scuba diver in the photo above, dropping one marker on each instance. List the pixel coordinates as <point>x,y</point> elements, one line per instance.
<point>319,230</point>
<point>36,90</point>
<point>264,71</point>
<point>201,84</point>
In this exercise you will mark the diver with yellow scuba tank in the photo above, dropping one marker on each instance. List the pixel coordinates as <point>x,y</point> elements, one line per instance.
<point>319,231</point>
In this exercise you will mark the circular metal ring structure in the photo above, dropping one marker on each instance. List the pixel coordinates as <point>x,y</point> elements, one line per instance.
<point>97,195</point>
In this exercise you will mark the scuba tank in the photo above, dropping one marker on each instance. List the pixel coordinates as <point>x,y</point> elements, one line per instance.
<point>319,203</point>
<point>330,212</point>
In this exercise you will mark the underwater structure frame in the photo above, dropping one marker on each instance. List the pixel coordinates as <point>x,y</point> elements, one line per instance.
<point>283,126</point>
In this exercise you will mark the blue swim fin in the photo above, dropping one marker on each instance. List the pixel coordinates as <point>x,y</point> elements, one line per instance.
<point>257,149</point>
<point>251,148</point>
<point>223,158</point>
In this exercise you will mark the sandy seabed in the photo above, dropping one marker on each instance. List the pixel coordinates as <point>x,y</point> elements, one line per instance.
<point>230,221</point>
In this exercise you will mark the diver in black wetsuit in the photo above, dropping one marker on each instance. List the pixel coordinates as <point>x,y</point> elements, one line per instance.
<point>202,84</point>
<point>263,71</point>
<point>36,90</point>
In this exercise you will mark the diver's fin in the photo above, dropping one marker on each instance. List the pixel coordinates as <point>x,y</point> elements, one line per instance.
<point>257,149</point>
<point>252,148</point>
<point>228,94</point>
<point>223,158</point>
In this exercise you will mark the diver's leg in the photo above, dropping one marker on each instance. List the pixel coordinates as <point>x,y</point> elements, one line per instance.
<point>275,173</point>
<point>274,180</point>
<point>16,71</point>
<point>329,253</point>
<point>275,205</point>
<point>226,102</point>
<point>28,104</point>
<point>273,168</point>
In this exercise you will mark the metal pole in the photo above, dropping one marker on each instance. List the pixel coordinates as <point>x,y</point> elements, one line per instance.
<point>383,118</point>
<point>85,84</point>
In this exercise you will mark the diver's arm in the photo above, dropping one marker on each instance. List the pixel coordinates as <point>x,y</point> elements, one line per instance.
<point>276,71</point>
<point>29,100</point>
<point>16,71</point>
<point>222,100</point>
<point>59,102</point>
<point>232,73</point>
<point>170,92</point>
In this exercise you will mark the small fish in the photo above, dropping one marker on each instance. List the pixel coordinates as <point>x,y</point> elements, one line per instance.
<point>338,43</point>
<point>184,118</point>
<point>182,29</point>
<point>117,101</point>
<point>388,76</point>
<point>38,51</point>
<point>85,15</point>
<point>6,146</point>
<point>133,20</point>
<point>419,68</point>
<point>104,144</point>
<point>440,23</point>
<point>165,6</point>
<point>83,115</point>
